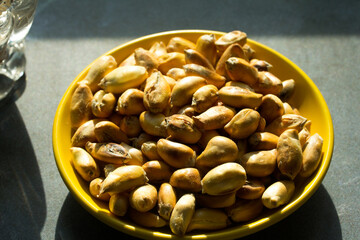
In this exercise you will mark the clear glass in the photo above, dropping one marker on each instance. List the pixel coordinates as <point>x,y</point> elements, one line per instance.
<point>6,26</point>
<point>16,17</point>
<point>23,11</point>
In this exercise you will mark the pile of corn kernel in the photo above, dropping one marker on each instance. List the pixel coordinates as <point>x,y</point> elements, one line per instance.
<point>190,135</point>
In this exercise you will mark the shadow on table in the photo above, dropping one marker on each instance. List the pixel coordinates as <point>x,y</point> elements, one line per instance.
<point>17,89</point>
<point>86,19</point>
<point>22,198</point>
<point>316,219</point>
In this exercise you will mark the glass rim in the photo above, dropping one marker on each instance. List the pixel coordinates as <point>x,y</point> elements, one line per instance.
<point>15,3</point>
<point>6,16</point>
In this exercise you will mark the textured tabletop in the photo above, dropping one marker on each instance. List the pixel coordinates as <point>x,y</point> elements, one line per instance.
<point>321,37</point>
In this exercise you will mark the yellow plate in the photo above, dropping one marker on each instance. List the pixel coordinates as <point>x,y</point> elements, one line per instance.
<point>307,98</point>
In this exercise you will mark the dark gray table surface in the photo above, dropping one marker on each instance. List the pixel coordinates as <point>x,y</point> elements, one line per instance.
<point>321,37</point>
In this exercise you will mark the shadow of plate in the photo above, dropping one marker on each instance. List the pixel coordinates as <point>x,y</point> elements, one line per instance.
<point>316,219</point>
<point>75,223</point>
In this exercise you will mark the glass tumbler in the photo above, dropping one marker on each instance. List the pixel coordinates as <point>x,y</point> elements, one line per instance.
<point>6,26</point>
<point>16,17</point>
<point>23,11</point>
